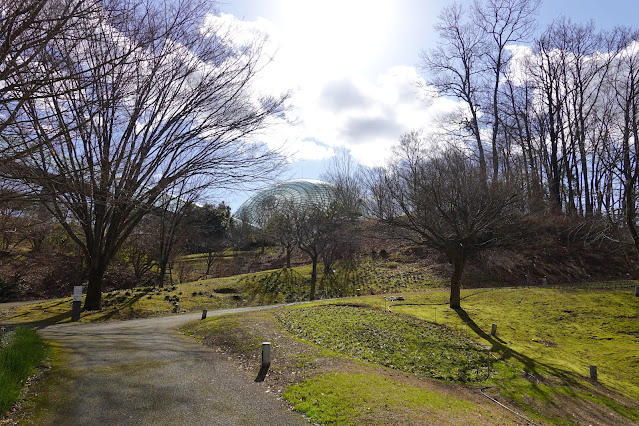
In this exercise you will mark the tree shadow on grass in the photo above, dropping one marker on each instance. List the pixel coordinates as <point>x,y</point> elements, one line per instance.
<point>22,320</point>
<point>548,391</point>
<point>126,304</point>
<point>499,346</point>
<point>264,288</point>
<point>12,321</point>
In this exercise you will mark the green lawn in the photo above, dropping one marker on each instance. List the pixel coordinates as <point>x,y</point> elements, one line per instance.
<point>546,340</point>
<point>354,399</point>
<point>402,343</point>
<point>568,329</point>
<point>555,335</point>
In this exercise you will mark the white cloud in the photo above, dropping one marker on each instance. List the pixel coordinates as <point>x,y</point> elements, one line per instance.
<point>520,57</point>
<point>309,149</point>
<point>335,105</point>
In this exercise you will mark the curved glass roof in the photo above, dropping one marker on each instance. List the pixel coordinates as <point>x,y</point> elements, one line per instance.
<point>299,191</point>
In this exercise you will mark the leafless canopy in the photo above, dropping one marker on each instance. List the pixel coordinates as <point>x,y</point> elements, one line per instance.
<point>27,29</point>
<point>150,98</point>
<point>472,58</point>
<point>437,199</point>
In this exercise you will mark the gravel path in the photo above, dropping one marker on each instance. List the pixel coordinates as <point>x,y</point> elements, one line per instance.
<point>143,372</point>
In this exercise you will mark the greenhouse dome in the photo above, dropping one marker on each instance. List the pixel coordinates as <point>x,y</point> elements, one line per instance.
<point>297,192</point>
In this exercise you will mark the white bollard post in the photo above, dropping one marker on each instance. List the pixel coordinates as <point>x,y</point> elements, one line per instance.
<point>76,308</point>
<point>266,354</point>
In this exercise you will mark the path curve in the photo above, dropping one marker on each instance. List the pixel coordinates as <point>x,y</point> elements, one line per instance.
<point>143,372</point>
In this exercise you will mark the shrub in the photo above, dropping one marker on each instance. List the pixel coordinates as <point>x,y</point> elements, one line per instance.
<point>8,290</point>
<point>22,351</point>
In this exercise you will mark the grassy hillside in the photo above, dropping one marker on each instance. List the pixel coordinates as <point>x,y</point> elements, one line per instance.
<point>546,340</point>
<point>546,329</point>
<point>253,289</point>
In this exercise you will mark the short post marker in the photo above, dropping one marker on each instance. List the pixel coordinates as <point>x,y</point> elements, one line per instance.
<point>493,330</point>
<point>593,373</point>
<point>637,291</point>
<point>77,302</point>
<point>266,354</point>
<point>204,311</point>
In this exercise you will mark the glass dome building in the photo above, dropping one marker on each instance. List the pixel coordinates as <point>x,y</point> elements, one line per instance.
<point>298,192</point>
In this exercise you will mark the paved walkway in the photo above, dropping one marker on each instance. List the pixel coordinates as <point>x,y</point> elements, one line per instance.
<point>142,372</point>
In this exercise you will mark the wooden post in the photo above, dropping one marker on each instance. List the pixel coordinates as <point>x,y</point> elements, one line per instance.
<point>637,291</point>
<point>493,330</point>
<point>204,311</point>
<point>266,354</point>
<point>593,373</point>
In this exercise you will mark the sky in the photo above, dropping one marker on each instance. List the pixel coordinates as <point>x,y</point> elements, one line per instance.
<point>352,70</point>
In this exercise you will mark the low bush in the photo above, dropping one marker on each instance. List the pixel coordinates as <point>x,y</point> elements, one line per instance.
<point>8,290</point>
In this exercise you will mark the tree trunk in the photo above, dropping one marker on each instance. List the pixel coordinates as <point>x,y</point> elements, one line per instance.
<point>93,301</point>
<point>209,261</point>
<point>498,66</point>
<point>313,278</point>
<point>288,258</point>
<point>162,274</point>
<point>458,257</point>
<point>555,178</point>
<point>631,214</point>
<point>480,147</point>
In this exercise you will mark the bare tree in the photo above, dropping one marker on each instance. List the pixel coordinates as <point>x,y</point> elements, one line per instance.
<point>175,206</point>
<point>439,200</point>
<point>503,22</point>
<point>323,230</point>
<point>27,29</point>
<point>626,87</point>
<point>280,229</point>
<point>472,59</point>
<point>211,226</point>
<point>347,178</point>
<point>155,97</point>
<point>455,68</point>
<point>315,227</point>
<point>138,251</point>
